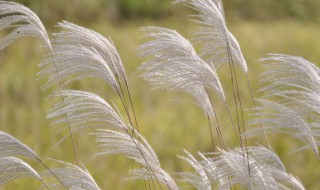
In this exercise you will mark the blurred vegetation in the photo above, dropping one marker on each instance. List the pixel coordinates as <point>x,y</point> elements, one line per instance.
<point>169,127</point>
<point>84,11</point>
<point>273,9</point>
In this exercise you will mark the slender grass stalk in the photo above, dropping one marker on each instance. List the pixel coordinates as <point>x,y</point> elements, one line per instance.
<point>232,123</point>
<point>53,174</point>
<point>74,148</point>
<point>237,99</point>
<point>291,104</point>
<point>11,146</point>
<point>131,104</point>
<point>176,66</point>
<point>256,110</point>
<point>26,23</point>
<point>234,86</point>
<point>216,121</point>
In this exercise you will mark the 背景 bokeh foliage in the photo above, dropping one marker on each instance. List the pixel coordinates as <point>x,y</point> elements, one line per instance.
<point>84,11</point>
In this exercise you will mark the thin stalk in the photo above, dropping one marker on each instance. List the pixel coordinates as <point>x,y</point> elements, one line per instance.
<point>133,110</point>
<point>209,122</point>
<point>54,175</point>
<point>237,93</point>
<point>218,128</point>
<point>134,113</point>
<point>123,101</point>
<point>232,122</point>
<point>234,91</point>
<point>257,112</point>
<point>147,184</point>
<point>44,184</point>
<point>138,145</point>
<point>68,122</point>
<point>211,133</point>
<point>241,112</point>
<point>125,106</point>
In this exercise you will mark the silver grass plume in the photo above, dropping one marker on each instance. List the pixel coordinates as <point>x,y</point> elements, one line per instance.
<point>199,178</point>
<point>72,177</point>
<point>87,110</point>
<point>219,45</point>
<point>286,71</point>
<point>280,118</point>
<point>219,4</point>
<point>22,20</point>
<point>202,99</point>
<point>10,146</point>
<point>80,52</point>
<point>12,168</point>
<point>175,65</point>
<point>136,148</point>
<point>228,169</point>
<point>291,98</point>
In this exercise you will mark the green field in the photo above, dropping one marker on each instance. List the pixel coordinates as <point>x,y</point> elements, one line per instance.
<point>169,124</point>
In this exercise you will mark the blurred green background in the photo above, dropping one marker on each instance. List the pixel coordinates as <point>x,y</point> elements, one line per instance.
<point>84,11</point>
<point>272,26</point>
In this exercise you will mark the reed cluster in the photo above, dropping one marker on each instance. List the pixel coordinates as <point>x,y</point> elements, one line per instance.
<point>290,105</point>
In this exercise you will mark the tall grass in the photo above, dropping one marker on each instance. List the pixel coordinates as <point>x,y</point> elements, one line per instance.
<point>290,105</point>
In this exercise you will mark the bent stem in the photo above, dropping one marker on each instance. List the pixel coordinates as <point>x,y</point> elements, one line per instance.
<point>54,175</point>
<point>257,112</point>
<point>125,106</point>
<point>68,123</point>
<point>138,145</point>
<point>237,97</point>
<point>133,110</point>
<point>232,122</point>
<point>217,124</point>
